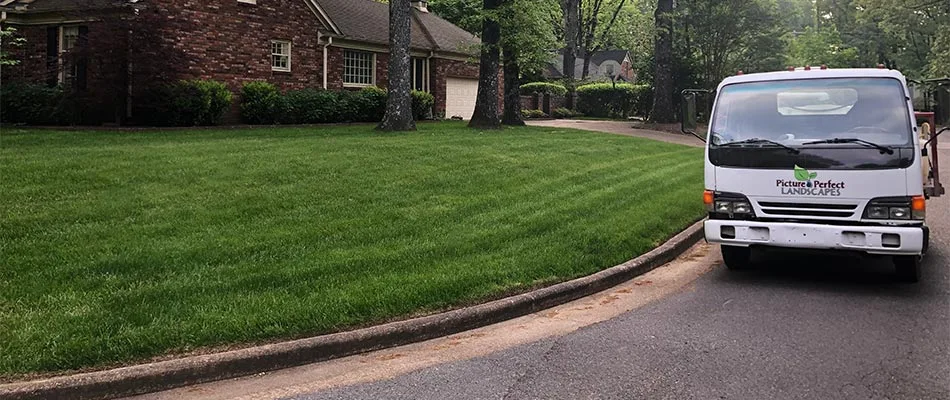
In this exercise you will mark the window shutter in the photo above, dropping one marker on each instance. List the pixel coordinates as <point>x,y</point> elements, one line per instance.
<point>52,55</point>
<point>83,62</point>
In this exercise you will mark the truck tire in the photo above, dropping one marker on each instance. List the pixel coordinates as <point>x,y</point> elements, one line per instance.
<point>735,257</point>
<point>907,268</point>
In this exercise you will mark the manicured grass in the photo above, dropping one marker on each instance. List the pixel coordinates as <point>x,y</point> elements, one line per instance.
<point>119,246</point>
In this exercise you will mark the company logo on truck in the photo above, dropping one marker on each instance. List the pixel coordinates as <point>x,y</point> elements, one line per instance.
<point>807,184</point>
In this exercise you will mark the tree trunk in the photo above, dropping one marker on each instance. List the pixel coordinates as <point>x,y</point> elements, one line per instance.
<point>663,77</point>
<point>486,102</point>
<point>398,115</point>
<point>572,21</point>
<point>512,111</point>
<point>586,71</point>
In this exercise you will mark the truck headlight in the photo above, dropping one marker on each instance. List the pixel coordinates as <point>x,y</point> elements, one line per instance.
<point>742,207</point>
<point>896,208</point>
<point>724,207</point>
<point>900,212</point>
<point>878,212</point>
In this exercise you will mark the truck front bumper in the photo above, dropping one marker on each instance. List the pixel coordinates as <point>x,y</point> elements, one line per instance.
<point>894,240</point>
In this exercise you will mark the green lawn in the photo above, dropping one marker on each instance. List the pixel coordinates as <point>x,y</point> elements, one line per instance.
<point>119,246</point>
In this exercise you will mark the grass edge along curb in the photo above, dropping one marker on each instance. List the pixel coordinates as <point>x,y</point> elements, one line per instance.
<point>164,375</point>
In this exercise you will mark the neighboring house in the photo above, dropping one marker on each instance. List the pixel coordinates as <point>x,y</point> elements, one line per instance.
<point>605,65</point>
<point>111,51</point>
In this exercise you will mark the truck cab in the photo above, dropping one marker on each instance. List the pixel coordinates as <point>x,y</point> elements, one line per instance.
<point>821,159</point>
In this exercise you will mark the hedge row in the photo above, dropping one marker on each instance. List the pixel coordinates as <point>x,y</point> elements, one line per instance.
<point>610,100</point>
<point>203,102</point>
<point>263,103</point>
<point>185,103</point>
<point>543,88</point>
<point>39,104</point>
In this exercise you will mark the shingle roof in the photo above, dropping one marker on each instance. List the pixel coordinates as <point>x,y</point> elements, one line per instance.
<point>38,6</point>
<point>615,55</point>
<point>368,20</point>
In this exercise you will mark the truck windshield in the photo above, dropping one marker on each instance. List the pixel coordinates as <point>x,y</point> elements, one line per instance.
<point>833,122</point>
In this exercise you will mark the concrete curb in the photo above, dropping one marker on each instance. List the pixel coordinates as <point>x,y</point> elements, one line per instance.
<point>139,379</point>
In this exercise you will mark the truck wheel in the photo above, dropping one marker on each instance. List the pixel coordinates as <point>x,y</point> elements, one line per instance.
<point>736,257</point>
<point>907,268</point>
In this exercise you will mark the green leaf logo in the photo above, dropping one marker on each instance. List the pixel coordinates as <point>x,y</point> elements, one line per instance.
<point>803,174</point>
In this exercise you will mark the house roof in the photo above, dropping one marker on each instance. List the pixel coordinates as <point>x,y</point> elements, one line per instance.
<point>368,20</point>
<point>39,6</point>
<point>614,55</point>
<point>554,68</point>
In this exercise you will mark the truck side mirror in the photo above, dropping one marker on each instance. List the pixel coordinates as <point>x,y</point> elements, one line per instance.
<point>688,122</point>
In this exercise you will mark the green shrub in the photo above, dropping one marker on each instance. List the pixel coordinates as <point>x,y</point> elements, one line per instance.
<point>312,106</point>
<point>261,103</point>
<point>185,103</point>
<point>530,114</point>
<point>29,103</point>
<point>609,100</point>
<point>543,88</point>
<point>367,105</point>
<point>565,113</point>
<point>215,100</point>
<point>422,103</point>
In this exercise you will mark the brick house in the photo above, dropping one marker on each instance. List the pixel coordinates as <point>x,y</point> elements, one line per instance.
<point>109,52</point>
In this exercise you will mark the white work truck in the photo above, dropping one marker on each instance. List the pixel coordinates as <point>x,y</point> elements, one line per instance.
<point>817,158</point>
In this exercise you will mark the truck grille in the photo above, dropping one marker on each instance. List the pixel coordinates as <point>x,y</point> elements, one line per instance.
<point>809,209</point>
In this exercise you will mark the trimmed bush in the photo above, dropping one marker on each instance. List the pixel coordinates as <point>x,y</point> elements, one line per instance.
<point>369,105</point>
<point>565,113</point>
<point>186,103</point>
<point>215,100</point>
<point>531,114</point>
<point>312,106</point>
<point>261,103</point>
<point>29,103</point>
<point>609,100</point>
<point>543,88</point>
<point>422,103</point>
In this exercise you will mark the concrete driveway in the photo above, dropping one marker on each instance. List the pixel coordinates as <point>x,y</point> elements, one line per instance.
<point>620,128</point>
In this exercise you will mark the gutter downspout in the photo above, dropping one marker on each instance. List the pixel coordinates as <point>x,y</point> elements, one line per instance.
<point>325,69</point>
<point>428,75</point>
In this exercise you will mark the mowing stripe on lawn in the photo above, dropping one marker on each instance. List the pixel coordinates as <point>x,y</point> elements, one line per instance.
<point>123,246</point>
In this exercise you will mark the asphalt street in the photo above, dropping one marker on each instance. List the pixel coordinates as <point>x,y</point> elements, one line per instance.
<point>800,326</point>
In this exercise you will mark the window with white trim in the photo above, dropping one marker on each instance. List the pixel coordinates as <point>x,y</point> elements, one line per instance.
<point>359,68</point>
<point>420,74</point>
<point>68,38</point>
<point>280,55</point>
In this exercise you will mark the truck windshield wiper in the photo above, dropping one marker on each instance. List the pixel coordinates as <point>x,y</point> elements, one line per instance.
<point>761,141</point>
<point>883,149</point>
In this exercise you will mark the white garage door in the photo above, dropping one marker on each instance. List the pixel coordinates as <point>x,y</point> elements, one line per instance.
<point>460,95</point>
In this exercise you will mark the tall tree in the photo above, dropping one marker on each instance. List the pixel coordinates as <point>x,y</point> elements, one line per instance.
<point>526,43</point>
<point>663,75</point>
<point>511,114</point>
<point>592,42</point>
<point>398,115</point>
<point>486,101</point>
<point>571,10</point>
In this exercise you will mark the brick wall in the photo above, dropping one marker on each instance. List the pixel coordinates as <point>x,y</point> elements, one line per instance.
<point>104,52</point>
<point>230,42</point>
